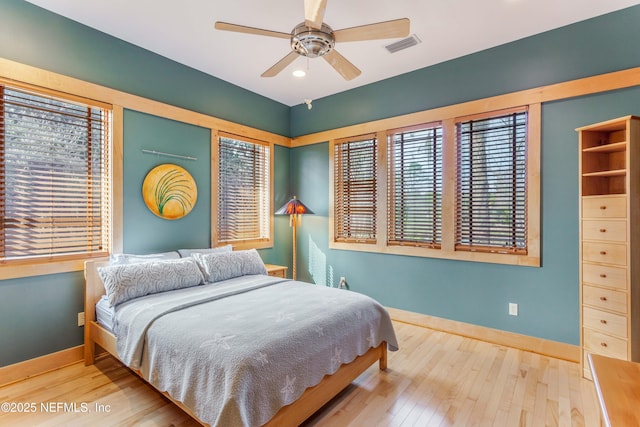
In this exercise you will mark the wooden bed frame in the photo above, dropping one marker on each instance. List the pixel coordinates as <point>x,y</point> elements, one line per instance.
<point>95,337</point>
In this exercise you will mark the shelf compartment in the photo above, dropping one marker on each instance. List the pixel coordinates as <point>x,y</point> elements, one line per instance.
<point>600,161</point>
<point>611,135</point>
<point>603,183</point>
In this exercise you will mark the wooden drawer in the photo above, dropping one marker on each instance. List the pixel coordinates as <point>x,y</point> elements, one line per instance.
<point>604,275</point>
<point>604,298</point>
<point>604,207</point>
<point>607,345</point>
<point>608,230</point>
<point>608,253</point>
<point>603,321</point>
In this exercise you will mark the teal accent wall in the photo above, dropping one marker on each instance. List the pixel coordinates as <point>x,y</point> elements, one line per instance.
<point>143,231</point>
<point>281,253</point>
<point>478,293</point>
<point>473,292</point>
<point>35,36</point>
<point>38,315</point>
<point>600,45</point>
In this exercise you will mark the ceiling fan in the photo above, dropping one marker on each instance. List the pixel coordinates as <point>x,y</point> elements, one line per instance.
<point>313,38</point>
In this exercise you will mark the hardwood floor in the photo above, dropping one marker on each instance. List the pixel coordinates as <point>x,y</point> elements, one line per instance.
<point>436,379</point>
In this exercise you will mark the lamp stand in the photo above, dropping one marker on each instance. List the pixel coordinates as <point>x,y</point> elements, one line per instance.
<point>295,209</point>
<point>294,223</point>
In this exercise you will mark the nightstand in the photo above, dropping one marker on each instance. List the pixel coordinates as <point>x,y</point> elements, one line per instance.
<point>276,270</point>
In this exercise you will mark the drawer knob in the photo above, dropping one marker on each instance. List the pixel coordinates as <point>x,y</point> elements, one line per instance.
<point>603,344</point>
<point>604,322</point>
<point>603,298</point>
<point>603,230</point>
<point>603,207</point>
<point>603,275</point>
<point>603,252</point>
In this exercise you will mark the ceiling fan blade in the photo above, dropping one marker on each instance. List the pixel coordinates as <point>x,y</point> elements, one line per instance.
<point>314,13</point>
<point>280,65</point>
<point>380,30</point>
<point>250,30</point>
<point>342,65</point>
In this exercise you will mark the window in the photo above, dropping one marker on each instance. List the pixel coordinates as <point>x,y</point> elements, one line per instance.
<point>491,185</point>
<point>355,190</point>
<point>414,183</point>
<point>244,191</point>
<point>54,177</point>
<point>464,187</point>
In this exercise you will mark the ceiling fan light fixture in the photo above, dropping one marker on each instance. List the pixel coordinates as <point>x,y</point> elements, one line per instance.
<point>310,42</point>
<point>299,73</point>
<point>313,38</point>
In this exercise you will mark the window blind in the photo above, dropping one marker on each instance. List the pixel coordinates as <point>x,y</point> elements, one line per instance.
<point>355,190</point>
<point>243,190</point>
<point>54,176</point>
<point>414,206</point>
<point>491,184</point>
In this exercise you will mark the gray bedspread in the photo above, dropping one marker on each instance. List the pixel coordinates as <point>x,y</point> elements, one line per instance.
<point>237,351</point>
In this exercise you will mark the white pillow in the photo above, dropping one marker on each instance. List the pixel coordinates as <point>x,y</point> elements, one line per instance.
<point>119,259</point>
<point>188,252</point>
<point>124,282</point>
<point>227,265</point>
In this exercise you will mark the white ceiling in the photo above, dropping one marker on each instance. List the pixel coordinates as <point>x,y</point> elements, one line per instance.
<point>183,31</point>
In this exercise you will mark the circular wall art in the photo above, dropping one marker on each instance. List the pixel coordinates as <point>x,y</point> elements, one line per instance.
<point>169,191</point>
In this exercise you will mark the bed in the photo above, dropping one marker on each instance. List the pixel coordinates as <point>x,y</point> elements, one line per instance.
<point>279,381</point>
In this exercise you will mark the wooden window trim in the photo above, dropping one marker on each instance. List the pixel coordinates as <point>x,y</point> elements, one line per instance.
<point>59,263</point>
<point>555,92</point>
<point>375,212</point>
<point>14,72</point>
<point>449,159</point>
<point>26,76</point>
<point>215,170</point>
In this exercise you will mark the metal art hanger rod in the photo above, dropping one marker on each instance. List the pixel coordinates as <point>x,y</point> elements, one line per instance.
<point>160,153</point>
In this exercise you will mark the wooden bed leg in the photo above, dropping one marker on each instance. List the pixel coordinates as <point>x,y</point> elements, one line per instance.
<point>89,346</point>
<point>383,356</point>
<point>93,290</point>
<point>89,354</point>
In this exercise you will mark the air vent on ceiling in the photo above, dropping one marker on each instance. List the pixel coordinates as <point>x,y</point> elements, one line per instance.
<point>412,40</point>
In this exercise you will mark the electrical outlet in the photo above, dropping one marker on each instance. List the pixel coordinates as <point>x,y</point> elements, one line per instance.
<point>81,319</point>
<point>513,309</point>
